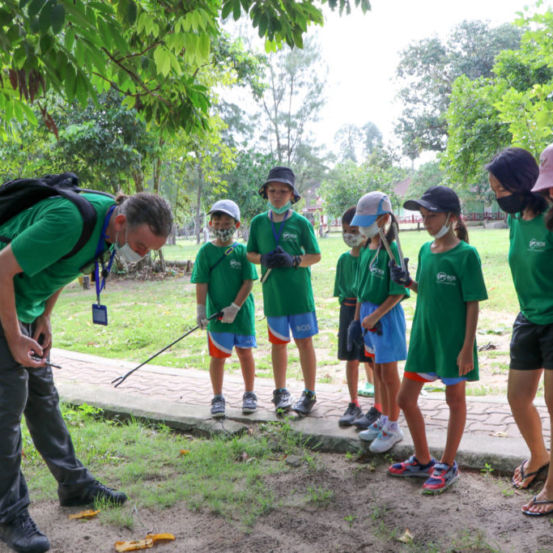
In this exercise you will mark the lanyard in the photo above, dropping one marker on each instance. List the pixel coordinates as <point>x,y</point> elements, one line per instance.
<point>98,256</point>
<point>279,234</point>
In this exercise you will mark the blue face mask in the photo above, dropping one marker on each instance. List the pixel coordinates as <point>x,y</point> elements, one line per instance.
<point>279,210</point>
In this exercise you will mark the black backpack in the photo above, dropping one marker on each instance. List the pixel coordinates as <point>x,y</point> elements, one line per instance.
<point>20,194</point>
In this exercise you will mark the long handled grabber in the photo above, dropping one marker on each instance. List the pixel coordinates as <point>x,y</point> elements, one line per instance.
<point>387,245</point>
<point>120,379</point>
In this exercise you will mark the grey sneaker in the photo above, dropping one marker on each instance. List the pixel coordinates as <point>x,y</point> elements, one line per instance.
<point>21,534</point>
<point>218,407</point>
<point>282,400</point>
<point>304,405</point>
<point>249,403</point>
<point>364,421</point>
<point>352,413</point>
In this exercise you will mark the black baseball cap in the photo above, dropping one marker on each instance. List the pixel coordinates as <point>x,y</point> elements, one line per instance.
<point>439,199</point>
<point>284,175</point>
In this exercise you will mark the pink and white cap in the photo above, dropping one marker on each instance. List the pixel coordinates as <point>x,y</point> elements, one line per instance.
<point>545,178</point>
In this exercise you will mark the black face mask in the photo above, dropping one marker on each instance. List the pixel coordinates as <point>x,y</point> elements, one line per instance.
<point>514,203</point>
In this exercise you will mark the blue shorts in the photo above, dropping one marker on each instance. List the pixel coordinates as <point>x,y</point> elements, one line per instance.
<point>303,325</point>
<point>391,345</point>
<point>431,377</point>
<point>221,343</point>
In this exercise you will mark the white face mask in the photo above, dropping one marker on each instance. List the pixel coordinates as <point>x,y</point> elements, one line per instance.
<point>369,232</point>
<point>444,230</point>
<point>353,240</point>
<point>125,252</point>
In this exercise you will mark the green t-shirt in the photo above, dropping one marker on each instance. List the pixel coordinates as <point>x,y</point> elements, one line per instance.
<point>40,237</point>
<point>446,281</point>
<point>287,291</point>
<point>224,281</point>
<point>531,262</point>
<point>373,282</point>
<point>344,281</point>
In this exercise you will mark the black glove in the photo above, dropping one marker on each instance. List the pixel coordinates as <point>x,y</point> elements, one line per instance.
<point>398,275</point>
<point>355,335</point>
<point>282,258</point>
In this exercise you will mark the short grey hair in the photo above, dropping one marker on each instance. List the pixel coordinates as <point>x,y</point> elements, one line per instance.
<point>149,209</point>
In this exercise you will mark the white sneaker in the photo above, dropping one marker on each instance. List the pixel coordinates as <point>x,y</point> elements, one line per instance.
<point>386,440</point>
<point>372,432</point>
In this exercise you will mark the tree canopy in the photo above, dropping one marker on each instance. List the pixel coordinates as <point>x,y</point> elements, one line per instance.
<point>152,52</point>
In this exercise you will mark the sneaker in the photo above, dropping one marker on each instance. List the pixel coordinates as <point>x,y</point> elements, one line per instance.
<point>441,478</point>
<point>282,400</point>
<point>304,405</point>
<point>367,390</point>
<point>218,407</point>
<point>386,440</point>
<point>22,535</point>
<point>372,432</point>
<point>413,468</point>
<point>351,413</point>
<point>93,492</point>
<point>364,421</point>
<point>249,403</point>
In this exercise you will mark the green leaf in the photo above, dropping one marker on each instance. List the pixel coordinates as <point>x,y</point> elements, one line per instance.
<point>227,8</point>
<point>132,12</point>
<point>35,6</point>
<point>45,17</point>
<point>69,39</point>
<point>236,9</point>
<point>58,18</point>
<point>162,60</point>
<point>204,45</point>
<point>69,81</point>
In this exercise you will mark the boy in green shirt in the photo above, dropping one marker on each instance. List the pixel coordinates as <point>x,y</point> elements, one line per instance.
<point>224,280</point>
<point>284,243</point>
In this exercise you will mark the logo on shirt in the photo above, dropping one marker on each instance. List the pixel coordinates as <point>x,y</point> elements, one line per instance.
<point>235,264</point>
<point>444,278</point>
<point>536,245</point>
<point>289,237</point>
<point>377,272</point>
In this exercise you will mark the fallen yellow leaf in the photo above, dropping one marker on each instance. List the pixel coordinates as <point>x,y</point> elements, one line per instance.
<point>133,545</point>
<point>160,537</point>
<point>407,537</point>
<point>84,514</point>
<point>184,451</point>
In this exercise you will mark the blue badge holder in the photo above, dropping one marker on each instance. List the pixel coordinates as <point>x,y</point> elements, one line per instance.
<point>99,314</point>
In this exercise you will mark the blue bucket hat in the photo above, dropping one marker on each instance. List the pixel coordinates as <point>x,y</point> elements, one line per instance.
<point>369,208</point>
<point>284,175</point>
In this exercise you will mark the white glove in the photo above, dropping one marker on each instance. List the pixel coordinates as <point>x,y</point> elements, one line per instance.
<point>201,316</point>
<point>230,312</point>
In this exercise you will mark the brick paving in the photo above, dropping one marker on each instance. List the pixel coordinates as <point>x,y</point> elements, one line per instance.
<point>488,418</point>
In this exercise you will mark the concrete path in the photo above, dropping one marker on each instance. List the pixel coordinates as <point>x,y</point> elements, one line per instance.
<point>181,398</point>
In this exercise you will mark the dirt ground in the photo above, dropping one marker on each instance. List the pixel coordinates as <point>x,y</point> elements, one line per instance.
<point>368,511</point>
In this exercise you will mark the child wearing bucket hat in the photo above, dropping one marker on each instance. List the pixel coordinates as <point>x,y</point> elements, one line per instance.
<point>284,243</point>
<point>224,280</point>
<point>522,189</point>
<point>449,284</point>
<point>380,314</point>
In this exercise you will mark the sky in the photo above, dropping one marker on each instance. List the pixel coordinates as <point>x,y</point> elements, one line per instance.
<point>362,53</point>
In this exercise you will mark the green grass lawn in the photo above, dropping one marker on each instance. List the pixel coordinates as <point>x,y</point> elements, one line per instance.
<point>144,316</point>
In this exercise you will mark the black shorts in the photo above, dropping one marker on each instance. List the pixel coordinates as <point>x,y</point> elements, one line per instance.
<point>347,312</point>
<point>531,345</point>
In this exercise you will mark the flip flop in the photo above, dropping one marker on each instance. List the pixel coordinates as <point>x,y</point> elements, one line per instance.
<point>535,501</point>
<point>525,475</point>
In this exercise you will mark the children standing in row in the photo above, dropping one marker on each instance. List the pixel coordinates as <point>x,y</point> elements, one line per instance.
<point>442,344</point>
<point>380,314</point>
<point>284,243</point>
<point>344,289</point>
<point>224,280</point>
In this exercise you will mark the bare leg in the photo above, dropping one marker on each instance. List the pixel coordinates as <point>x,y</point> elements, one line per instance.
<point>408,396</point>
<point>216,371</point>
<point>547,491</point>
<point>389,379</point>
<point>352,378</point>
<point>456,401</point>
<point>308,361</point>
<point>247,364</point>
<point>521,392</point>
<point>279,355</point>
